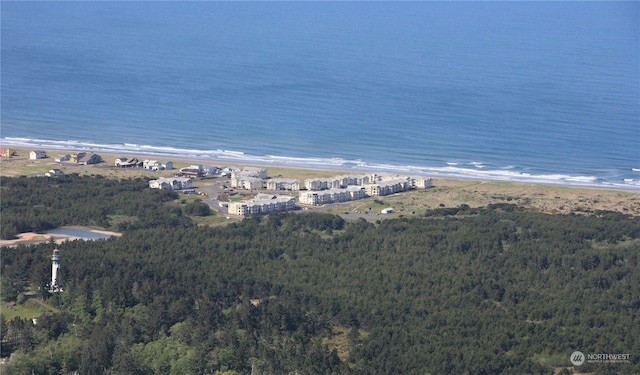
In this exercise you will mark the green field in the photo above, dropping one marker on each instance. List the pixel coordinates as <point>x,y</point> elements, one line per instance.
<point>31,308</point>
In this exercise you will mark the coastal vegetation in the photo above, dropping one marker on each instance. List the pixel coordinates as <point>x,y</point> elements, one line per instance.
<point>496,289</point>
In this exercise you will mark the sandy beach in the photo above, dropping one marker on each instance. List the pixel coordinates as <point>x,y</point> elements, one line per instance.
<point>446,192</point>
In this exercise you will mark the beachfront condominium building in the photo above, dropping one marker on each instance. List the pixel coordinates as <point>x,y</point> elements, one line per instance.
<point>421,182</point>
<point>337,182</point>
<point>248,178</point>
<point>283,184</point>
<point>351,187</point>
<point>316,198</point>
<point>320,183</point>
<point>382,188</point>
<point>415,182</point>
<point>262,204</point>
<point>248,183</point>
<point>354,179</point>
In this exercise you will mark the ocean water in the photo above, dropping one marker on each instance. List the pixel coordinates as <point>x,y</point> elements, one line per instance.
<point>528,91</point>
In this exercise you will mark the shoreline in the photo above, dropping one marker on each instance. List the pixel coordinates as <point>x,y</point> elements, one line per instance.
<point>186,160</point>
<point>447,191</point>
<point>33,238</point>
<point>450,170</point>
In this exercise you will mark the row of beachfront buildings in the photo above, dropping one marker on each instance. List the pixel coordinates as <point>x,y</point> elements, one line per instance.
<point>83,158</point>
<point>374,184</point>
<point>318,191</point>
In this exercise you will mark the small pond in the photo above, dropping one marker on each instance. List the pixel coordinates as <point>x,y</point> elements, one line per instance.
<point>81,233</point>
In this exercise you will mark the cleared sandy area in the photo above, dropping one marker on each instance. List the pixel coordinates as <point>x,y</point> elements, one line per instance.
<point>447,192</point>
<point>31,238</point>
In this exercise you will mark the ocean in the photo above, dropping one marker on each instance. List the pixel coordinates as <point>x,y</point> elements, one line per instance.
<point>540,92</point>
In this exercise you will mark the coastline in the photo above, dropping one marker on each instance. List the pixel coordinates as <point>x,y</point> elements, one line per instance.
<point>628,180</point>
<point>447,191</point>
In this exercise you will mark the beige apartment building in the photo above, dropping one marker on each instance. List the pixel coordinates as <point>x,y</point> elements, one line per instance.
<point>262,204</point>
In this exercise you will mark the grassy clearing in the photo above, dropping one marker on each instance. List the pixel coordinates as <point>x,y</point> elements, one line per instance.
<point>342,338</point>
<point>14,169</point>
<point>213,219</point>
<point>31,308</point>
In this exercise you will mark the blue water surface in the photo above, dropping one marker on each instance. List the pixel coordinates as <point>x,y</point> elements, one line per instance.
<point>541,91</point>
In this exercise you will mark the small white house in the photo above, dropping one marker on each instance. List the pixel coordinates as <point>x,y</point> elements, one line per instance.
<point>149,164</point>
<point>54,173</point>
<point>63,157</point>
<point>37,154</point>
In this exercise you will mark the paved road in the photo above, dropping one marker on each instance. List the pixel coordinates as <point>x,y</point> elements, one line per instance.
<point>212,188</point>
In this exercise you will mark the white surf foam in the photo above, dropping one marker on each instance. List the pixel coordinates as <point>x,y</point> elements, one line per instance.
<point>473,169</point>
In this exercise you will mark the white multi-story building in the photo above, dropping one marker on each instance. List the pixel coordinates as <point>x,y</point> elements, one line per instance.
<point>262,204</point>
<point>316,198</point>
<point>176,183</point>
<point>320,183</point>
<point>382,188</point>
<point>249,183</point>
<point>337,182</point>
<point>354,179</point>
<point>252,175</point>
<point>351,187</point>
<point>421,182</point>
<point>283,184</point>
<point>415,182</point>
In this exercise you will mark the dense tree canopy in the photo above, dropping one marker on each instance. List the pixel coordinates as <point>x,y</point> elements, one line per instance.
<point>478,291</point>
<point>34,204</point>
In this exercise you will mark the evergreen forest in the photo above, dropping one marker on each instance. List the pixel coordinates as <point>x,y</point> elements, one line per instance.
<point>492,290</point>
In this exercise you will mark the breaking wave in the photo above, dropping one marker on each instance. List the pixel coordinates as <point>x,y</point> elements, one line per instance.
<point>458,169</point>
